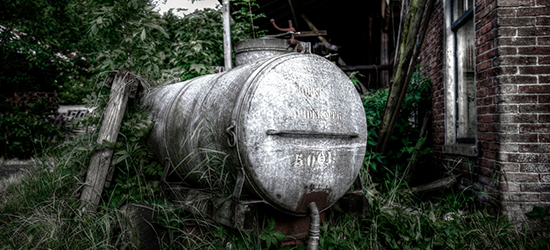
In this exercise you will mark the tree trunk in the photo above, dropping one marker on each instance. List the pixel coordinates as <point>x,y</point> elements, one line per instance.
<point>101,159</point>
<point>413,31</point>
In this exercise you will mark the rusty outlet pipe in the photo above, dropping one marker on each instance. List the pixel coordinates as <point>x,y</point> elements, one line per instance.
<point>314,227</point>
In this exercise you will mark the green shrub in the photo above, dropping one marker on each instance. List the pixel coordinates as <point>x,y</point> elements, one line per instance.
<point>406,133</point>
<point>27,131</point>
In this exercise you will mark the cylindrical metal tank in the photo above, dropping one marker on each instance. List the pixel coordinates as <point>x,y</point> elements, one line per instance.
<point>251,50</point>
<point>294,123</point>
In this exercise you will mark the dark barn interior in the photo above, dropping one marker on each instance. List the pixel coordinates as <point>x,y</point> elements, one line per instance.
<point>361,30</point>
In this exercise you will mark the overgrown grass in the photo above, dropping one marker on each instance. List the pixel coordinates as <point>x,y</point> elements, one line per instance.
<point>446,219</point>
<point>42,211</point>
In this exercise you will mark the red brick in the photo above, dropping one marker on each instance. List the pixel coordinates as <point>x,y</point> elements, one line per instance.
<point>506,12</point>
<point>509,167</point>
<point>534,128</point>
<point>487,55</point>
<point>507,51</point>
<point>517,79</point>
<point>507,108</point>
<point>544,60</point>
<point>485,65</point>
<point>535,187</point>
<point>515,3</point>
<point>534,148</point>
<point>544,119</point>
<point>521,41</point>
<point>493,146</point>
<point>509,70</point>
<point>485,28</point>
<point>487,118</point>
<point>544,137</point>
<point>520,99</point>
<point>534,70</point>
<point>535,50</point>
<point>535,167</point>
<point>518,118</point>
<point>507,31</point>
<point>541,108</point>
<point>544,98</point>
<point>543,20</point>
<point>486,137</point>
<point>489,36</point>
<point>522,177</point>
<point>507,88</point>
<point>533,31</point>
<point>543,40</point>
<point>523,197</point>
<point>518,60</point>
<point>509,187</point>
<point>508,138</point>
<point>486,110</point>
<point>530,89</point>
<point>483,49</point>
<point>516,21</point>
<point>488,73</point>
<point>534,11</point>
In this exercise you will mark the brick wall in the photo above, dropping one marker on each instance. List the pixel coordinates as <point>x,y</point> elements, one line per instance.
<point>524,103</point>
<point>431,61</point>
<point>512,169</point>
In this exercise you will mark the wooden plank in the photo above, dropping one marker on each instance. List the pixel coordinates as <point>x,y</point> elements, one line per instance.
<point>310,33</point>
<point>385,43</point>
<point>108,133</point>
<point>436,185</point>
<point>322,39</point>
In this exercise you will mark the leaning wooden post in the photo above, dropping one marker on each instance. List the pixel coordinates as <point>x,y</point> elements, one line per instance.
<point>122,84</point>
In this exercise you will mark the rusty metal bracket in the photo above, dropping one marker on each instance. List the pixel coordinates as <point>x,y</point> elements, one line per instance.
<point>232,139</point>
<point>290,30</point>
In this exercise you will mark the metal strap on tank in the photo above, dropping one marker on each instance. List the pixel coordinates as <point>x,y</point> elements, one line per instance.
<point>239,183</point>
<point>169,111</point>
<point>310,133</point>
<point>232,129</point>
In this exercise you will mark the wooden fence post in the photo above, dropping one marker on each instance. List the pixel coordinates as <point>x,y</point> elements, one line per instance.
<point>122,84</point>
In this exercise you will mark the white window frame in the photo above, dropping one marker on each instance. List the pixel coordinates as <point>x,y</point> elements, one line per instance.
<point>452,146</point>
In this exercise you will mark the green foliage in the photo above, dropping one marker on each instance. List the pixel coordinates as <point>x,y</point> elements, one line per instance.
<point>38,51</point>
<point>538,212</point>
<point>197,47</point>
<point>432,224</point>
<point>129,32</point>
<point>27,131</point>
<point>136,173</point>
<point>406,134</point>
<point>244,20</point>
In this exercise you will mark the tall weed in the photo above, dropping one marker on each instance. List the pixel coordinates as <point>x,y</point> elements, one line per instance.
<point>406,134</point>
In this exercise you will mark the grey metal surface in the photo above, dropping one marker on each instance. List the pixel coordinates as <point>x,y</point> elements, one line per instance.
<point>294,122</point>
<point>252,50</point>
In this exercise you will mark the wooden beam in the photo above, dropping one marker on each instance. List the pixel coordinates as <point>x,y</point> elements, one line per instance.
<point>322,39</point>
<point>108,133</point>
<point>385,42</point>
<point>436,185</point>
<point>310,33</point>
